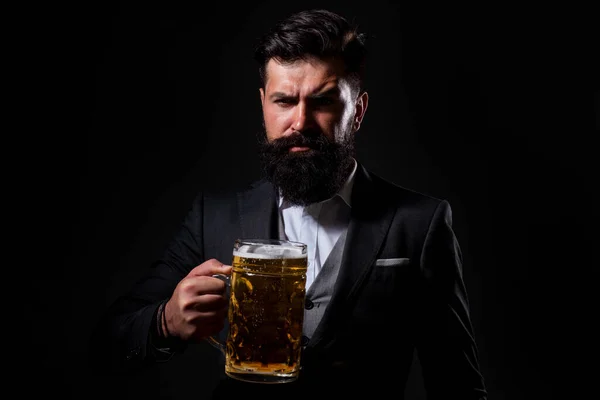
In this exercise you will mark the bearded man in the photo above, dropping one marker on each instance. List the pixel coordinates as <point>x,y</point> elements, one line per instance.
<point>384,274</point>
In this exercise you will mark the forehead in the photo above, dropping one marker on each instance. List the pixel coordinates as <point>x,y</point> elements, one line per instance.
<point>303,75</point>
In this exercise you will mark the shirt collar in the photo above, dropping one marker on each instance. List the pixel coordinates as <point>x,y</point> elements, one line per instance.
<point>345,193</point>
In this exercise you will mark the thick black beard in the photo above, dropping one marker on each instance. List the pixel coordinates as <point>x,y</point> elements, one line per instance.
<point>311,176</point>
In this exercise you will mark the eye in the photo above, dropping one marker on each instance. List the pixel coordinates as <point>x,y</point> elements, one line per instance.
<point>284,102</point>
<point>324,101</point>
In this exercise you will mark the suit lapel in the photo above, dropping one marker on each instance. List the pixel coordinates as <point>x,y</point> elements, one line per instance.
<point>258,211</point>
<point>366,232</point>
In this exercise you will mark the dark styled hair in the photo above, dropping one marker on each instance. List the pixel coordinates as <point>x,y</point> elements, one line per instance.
<point>314,33</point>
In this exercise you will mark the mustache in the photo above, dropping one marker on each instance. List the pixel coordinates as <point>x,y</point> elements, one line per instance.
<point>313,140</point>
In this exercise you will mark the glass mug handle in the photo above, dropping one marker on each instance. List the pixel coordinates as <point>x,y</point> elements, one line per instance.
<point>212,340</point>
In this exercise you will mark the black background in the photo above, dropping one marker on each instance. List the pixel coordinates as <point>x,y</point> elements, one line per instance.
<point>491,108</point>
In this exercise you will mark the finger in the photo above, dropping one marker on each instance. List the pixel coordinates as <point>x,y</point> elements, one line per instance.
<point>210,267</point>
<point>210,303</point>
<point>198,285</point>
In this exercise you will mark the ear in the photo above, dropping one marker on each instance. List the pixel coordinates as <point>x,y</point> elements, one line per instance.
<point>361,108</point>
<point>262,96</point>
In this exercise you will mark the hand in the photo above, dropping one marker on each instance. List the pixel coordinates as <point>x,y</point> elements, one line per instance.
<point>198,307</point>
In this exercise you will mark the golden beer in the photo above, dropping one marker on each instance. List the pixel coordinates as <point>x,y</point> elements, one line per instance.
<point>266,313</point>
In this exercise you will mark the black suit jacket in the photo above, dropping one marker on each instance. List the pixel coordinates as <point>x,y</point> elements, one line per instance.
<point>377,316</point>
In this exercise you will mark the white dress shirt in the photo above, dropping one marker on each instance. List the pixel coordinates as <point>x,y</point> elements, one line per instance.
<point>319,225</point>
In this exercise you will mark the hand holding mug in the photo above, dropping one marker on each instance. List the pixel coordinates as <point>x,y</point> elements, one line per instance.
<point>198,307</point>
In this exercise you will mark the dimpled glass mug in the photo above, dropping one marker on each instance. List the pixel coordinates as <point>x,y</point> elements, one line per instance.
<point>267,288</point>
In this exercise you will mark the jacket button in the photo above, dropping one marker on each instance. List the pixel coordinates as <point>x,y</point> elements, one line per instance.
<point>304,340</point>
<point>132,353</point>
<point>308,304</point>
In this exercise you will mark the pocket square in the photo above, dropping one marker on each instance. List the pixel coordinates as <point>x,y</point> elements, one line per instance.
<point>392,262</point>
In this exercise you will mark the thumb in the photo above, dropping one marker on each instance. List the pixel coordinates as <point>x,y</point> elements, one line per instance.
<point>210,267</point>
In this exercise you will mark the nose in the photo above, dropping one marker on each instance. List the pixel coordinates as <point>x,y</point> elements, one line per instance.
<point>302,117</point>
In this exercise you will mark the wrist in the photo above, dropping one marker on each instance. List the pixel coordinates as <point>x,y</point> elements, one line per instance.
<point>162,325</point>
<point>161,339</point>
<point>159,318</point>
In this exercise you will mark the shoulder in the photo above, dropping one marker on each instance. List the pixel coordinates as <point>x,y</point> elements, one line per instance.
<point>383,190</point>
<point>412,211</point>
<point>234,193</point>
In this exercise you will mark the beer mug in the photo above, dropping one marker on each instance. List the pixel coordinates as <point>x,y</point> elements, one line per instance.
<point>267,288</point>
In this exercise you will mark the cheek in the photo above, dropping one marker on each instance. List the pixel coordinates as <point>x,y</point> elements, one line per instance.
<point>329,124</point>
<point>276,123</point>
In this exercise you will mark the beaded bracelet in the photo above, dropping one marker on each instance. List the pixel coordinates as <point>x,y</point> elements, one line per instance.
<point>164,318</point>
<point>160,319</point>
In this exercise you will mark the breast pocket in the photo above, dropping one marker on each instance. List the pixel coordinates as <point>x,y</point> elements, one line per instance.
<point>389,273</point>
<point>384,292</point>
<point>392,262</point>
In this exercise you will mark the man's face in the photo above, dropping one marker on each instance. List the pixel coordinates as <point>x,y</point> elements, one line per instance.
<point>309,95</point>
<point>310,115</point>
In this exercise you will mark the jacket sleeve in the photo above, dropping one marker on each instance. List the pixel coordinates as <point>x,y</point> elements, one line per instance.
<point>124,338</point>
<point>446,345</point>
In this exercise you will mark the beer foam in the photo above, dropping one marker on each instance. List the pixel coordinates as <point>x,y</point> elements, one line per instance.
<point>268,252</point>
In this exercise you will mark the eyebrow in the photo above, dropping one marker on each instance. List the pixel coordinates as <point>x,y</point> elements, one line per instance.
<point>329,92</point>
